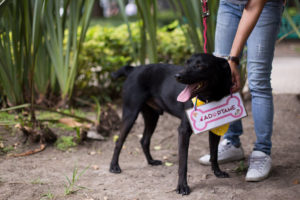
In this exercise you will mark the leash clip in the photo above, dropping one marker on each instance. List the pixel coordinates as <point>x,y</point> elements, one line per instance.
<point>195,105</point>
<point>205,11</point>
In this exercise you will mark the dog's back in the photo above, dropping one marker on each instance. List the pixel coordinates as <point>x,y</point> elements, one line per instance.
<point>153,83</point>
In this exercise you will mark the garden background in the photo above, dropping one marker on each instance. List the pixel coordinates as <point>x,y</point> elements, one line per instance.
<point>55,91</point>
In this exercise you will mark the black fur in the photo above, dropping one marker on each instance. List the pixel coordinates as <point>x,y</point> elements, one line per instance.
<point>152,89</point>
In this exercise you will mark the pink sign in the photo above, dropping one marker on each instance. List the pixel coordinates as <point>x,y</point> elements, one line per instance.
<point>215,114</point>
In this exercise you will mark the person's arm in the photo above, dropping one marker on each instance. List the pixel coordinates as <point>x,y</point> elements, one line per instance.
<point>249,19</point>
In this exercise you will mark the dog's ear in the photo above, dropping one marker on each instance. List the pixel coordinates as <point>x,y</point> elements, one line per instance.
<point>123,71</point>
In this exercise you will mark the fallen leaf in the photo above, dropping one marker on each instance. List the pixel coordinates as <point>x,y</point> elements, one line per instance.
<point>92,153</point>
<point>16,144</point>
<point>205,176</point>
<point>168,164</point>
<point>116,137</point>
<point>18,126</point>
<point>71,122</point>
<point>157,148</point>
<point>95,167</point>
<point>296,182</point>
<point>165,157</point>
<point>1,145</point>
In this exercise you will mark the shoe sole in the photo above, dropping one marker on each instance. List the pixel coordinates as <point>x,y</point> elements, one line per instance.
<point>257,179</point>
<point>222,161</point>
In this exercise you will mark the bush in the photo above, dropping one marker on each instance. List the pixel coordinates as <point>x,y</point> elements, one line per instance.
<point>106,49</point>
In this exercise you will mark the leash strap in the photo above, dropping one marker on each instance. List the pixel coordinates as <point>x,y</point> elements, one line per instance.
<point>205,14</point>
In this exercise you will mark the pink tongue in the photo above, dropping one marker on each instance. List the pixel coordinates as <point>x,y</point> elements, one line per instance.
<point>185,95</point>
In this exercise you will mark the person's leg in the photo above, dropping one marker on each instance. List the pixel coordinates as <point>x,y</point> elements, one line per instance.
<point>261,44</point>
<point>227,22</point>
<point>260,53</point>
<point>228,19</point>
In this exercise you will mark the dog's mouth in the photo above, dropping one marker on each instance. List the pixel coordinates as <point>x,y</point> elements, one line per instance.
<point>190,91</point>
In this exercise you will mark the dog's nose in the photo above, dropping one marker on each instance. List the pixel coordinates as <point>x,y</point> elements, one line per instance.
<point>178,77</point>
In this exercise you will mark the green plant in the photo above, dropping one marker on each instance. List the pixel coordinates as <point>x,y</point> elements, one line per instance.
<point>20,41</point>
<point>72,187</point>
<point>7,149</point>
<point>48,195</point>
<point>106,49</point>
<point>98,109</point>
<point>241,168</point>
<point>31,46</point>
<point>147,12</point>
<point>36,181</point>
<point>63,143</point>
<point>59,30</point>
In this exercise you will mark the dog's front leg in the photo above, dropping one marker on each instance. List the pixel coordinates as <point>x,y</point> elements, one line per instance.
<point>213,147</point>
<point>185,132</point>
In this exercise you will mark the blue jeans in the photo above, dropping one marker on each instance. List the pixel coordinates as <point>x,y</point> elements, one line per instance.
<point>260,53</point>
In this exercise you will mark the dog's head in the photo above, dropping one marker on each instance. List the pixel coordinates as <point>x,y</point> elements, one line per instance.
<point>206,76</point>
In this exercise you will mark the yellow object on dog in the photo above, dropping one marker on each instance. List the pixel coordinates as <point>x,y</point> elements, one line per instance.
<point>221,130</point>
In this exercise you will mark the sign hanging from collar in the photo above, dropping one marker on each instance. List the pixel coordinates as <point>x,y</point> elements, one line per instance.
<point>216,115</point>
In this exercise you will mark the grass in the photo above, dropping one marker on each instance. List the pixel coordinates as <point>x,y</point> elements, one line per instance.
<point>37,181</point>
<point>48,195</point>
<point>7,149</point>
<point>7,119</point>
<point>241,168</point>
<point>63,143</point>
<point>10,119</point>
<point>71,186</point>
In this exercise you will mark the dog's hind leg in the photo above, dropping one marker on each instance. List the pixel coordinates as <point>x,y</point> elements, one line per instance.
<point>185,132</point>
<point>128,120</point>
<point>213,147</point>
<point>150,119</point>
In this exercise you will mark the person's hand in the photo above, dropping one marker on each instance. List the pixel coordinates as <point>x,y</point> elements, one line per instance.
<point>236,78</point>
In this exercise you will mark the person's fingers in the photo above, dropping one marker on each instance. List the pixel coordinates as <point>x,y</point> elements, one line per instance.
<point>236,80</point>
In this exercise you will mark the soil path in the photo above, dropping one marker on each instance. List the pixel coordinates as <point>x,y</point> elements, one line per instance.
<point>43,176</point>
<point>45,173</point>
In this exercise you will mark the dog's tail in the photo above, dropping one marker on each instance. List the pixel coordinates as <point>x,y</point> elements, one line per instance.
<point>123,71</point>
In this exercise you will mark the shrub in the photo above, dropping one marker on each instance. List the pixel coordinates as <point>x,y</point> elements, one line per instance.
<point>106,49</point>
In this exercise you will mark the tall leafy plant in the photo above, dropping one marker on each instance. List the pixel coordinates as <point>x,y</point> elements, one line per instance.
<point>20,38</point>
<point>64,17</point>
<point>148,14</point>
<point>39,45</point>
<point>189,13</point>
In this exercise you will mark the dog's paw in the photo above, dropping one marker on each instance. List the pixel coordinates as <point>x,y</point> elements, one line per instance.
<point>183,189</point>
<point>155,162</point>
<point>221,174</point>
<point>115,169</point>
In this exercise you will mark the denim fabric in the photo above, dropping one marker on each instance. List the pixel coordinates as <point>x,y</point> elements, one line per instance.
<point>260,53</point>
<point>240,2</point>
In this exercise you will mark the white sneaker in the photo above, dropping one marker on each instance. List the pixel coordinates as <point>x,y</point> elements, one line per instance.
<point>226,153</point>
<point>259,167</point>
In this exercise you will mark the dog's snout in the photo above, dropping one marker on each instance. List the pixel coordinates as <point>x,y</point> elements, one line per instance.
<point>178,77</point>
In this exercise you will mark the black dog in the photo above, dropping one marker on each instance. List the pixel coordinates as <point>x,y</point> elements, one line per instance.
<point>152,89</point>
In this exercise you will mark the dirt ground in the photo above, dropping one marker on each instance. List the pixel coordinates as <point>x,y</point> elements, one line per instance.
<point>43,175</point>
